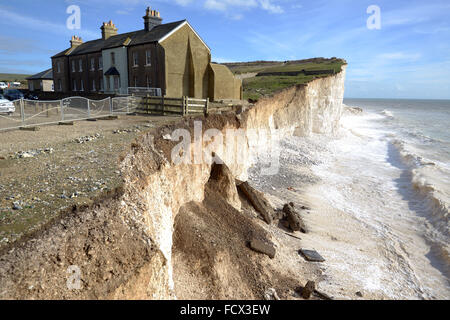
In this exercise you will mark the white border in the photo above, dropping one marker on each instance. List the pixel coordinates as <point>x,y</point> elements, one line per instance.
<point>178,28</point>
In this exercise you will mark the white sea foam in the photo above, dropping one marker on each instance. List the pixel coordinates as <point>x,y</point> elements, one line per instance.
<point>388,113</point>
<point>380,190</point>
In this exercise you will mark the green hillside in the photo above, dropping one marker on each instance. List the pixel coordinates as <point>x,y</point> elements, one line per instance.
<point>11,77</point>
<point>266,83</point>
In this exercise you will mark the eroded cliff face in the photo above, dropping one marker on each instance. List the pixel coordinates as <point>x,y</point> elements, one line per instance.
<point>123,246</point>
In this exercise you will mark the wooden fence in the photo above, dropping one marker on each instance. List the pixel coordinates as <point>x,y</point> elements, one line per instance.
<point>172,106</point>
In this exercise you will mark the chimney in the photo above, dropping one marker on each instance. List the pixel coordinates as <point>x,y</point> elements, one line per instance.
<point>151,19</point>
<point>75,42</point>
<point>108,30</point>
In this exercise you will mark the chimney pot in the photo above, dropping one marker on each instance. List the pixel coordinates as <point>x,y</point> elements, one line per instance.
<point>152,19</point>
<point>108,30</point>
<point>75,41</point>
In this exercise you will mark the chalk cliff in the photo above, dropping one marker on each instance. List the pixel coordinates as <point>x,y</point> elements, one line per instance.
<point>122,246</point>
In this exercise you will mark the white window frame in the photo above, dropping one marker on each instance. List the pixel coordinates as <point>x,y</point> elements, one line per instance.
<point>80,65</point>
<point>102,84</point>
<point>93,86</point>
<point>116,82</point>
<point>74,67</point>
<point>92,64</point>
<point>148,58</point>
<point>149,82</point>
<point>81,85</point>
<point>135,59</point>
<point>74,85</point>
<point>100,63</point>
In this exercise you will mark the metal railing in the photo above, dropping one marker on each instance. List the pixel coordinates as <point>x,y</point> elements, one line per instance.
<point>29,113</point>
<point>143,91</point>
<point>33,113</point>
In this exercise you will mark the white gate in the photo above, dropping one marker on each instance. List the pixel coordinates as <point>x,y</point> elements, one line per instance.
<point>143,92</point>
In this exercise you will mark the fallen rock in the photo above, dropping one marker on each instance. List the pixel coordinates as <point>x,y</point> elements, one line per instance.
<point>308,289</point>
<point>222,180</point>
<point>258,201</point>
<point>17,205</point>
<point>271,294</point>
<point>86,139</point>
<point>264,247</point>
<point>293,218</point>
<point>311,255</point>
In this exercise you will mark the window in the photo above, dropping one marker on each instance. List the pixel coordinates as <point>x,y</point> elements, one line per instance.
<point>74,85</point>
<point>148,58</point>
<point>100,63</point>
<point>82,86</point>
<point>101,84</point>
<point>93,86</point>
<point>58,67</point>
<point>73,66</point>
<point>116,83</point>
<point>135,82</point>
<point>92,64</point>
<point>108,84</point>
<point>135,59</point>
<point>31,86</point>
<point>60,85</point>
<point>113,58</point>
<point>80,64</point>
<point>149,82</point>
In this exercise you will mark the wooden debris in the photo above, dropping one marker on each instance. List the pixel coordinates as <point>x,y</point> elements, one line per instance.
<point>30,128</point>
<point>291,235</point>
<point>322,295</point>
<point>110,118</point>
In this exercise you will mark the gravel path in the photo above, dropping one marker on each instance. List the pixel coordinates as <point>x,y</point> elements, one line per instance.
<point>45,172</point>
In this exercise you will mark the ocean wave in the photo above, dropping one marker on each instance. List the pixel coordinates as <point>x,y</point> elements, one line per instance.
<point>426,178</point>
<point>352,110</point>
<point>387,113</point>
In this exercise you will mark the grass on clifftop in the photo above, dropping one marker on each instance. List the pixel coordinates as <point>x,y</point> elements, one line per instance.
<point>11,77</point>
<point>257,87</point>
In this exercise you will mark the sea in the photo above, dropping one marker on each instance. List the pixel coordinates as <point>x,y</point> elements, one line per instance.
<point>389,166</point>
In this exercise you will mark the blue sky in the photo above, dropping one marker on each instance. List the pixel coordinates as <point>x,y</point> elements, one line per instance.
<point>409,57</point>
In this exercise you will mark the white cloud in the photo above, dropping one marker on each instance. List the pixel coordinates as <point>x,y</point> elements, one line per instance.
<point>400,56</point>
<point>269,6</point>
<point>233,5</point>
